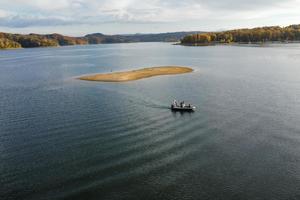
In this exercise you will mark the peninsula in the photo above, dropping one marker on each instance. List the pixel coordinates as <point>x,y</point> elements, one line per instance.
<point>255,35</point>
<point>137,74</point>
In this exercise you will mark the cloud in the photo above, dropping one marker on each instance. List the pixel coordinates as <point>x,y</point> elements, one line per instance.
<point>3,14</point>
<point>237,5</point>
<point>21,22</point>
<point>49,13</point>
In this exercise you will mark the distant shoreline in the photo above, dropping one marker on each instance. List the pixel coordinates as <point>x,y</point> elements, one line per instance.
<point>260,35</point>
<point>137,74</point>
<point>237,43</point>
<point>10,40</point>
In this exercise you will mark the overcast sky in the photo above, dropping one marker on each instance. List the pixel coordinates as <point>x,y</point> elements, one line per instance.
<point>79,17</point>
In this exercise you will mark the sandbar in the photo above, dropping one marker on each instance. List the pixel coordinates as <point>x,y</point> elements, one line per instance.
<point>137,74</point>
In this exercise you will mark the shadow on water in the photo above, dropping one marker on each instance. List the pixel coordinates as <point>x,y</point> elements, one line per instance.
<point>181,113</point>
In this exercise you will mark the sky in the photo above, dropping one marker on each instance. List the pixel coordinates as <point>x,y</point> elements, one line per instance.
<point>80,17</point>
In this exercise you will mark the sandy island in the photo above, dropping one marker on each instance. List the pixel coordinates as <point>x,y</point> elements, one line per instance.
<point>137,74</point>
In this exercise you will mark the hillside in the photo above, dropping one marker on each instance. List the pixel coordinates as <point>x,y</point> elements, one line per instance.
<point>255,35</point>
<point>98,38</point>
<point>8,40</point>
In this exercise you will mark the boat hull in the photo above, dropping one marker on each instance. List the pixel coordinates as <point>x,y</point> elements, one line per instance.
<point>183,109</point>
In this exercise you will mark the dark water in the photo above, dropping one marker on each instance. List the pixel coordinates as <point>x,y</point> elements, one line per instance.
<point>62,138</point>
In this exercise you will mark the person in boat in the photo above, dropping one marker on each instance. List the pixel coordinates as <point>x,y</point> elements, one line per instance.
<point>182,104</point>
<point>175,102</point>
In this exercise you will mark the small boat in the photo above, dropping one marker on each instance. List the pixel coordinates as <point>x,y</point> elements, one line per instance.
<point>182,107</point>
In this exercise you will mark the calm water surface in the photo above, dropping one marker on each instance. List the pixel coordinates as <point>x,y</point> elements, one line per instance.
<point>62,138</point>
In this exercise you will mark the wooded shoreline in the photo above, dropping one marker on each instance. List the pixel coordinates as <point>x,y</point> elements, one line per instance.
<point>247,36</point>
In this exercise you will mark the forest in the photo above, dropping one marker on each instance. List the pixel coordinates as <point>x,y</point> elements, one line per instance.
<point>254,35</point>
<point>8,40</point>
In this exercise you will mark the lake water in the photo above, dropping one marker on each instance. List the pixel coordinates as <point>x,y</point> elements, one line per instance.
<point>63,138</point>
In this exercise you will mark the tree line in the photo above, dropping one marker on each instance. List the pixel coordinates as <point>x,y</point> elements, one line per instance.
<point>262,34</point>
<point>8,40</point>
<point>255,35</point>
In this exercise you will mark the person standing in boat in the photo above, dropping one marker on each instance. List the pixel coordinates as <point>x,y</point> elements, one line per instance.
<point>175,102</point>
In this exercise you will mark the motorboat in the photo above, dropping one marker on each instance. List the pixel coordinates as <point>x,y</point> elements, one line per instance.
<point>182,107</point>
